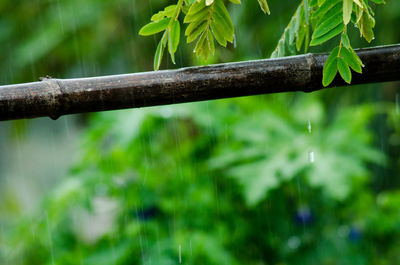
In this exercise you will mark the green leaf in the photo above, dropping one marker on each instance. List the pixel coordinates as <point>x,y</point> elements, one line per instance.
<point>347,10</point>
<point>170,48</point>
<point>296,33</point>
<point>345,40</point>
<point>192,35</point>
<point>359,3</point>
<point>185,9</point>
<point>235,1</point>
<point>201,14</point>
<point>306,9</point>
<point>366,25</point>
<point>201,46</point>
<point>330,67</point>
<point>221,15</point>
<point>175,32</point>
<point>356,57</point>
<point>325,7</point>
<point>173,39</point>
<point>154,27</point>
<point>169,11</point>
<point>207,23</point>
<point>196,7</point>
<point>292,28</point>
<point>351,59</point>
<point>344,70</point>
<point>210,41</point>
<point>327,26</point>
<point>334,32</point>
<point>219,33</point>
<point>301,34</point>
<point>194,25</point>
<point>307,39</point>
<point>159,52</point>
<point>288,44</point>
<point>264,6</point>
<point>335,11</point>
<point>297,20</point>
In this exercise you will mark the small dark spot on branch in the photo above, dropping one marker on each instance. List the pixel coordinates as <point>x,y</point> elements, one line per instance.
<point>47,77</point>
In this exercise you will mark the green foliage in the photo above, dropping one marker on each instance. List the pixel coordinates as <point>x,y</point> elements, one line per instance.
<point>341,59</point>
<point>296,33</point>
<point>207,20</point>
<point>326,19</point>
<point>167,21</point>
<point>154,179</point>
<point>177,178</point>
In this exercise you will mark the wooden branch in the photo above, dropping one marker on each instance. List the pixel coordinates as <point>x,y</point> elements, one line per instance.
<point>56,97</point>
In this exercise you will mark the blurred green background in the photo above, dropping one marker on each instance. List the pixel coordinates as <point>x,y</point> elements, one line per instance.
<point>278,179</point>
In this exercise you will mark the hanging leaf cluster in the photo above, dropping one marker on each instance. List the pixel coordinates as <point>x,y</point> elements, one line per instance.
<point>165,21</point>
<point>327,19</point>
<point>206,21</point>
<point>296,33</point>
<point>314,23</point>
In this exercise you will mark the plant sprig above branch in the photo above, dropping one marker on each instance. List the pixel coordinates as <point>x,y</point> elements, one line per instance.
<point>314,23</point>
<point>167,21</point>
<point>329,19</point>
<point>207,20</point>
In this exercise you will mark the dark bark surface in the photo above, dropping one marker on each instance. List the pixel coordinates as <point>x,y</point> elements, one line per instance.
<point>56,97</point>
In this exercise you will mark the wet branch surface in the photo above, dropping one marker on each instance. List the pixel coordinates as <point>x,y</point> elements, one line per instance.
<point>57,97</point>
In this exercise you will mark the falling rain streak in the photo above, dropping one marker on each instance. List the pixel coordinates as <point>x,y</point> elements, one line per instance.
<point>50,239</point>
<point>180,254</point>
<point>310,153</point>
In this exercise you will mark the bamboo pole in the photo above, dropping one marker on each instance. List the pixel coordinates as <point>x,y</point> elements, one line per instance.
<point>56,97</point>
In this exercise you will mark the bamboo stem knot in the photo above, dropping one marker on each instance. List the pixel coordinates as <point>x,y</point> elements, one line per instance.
<point>57,92</point>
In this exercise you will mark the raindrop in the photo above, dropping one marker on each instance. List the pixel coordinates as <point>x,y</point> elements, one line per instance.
<point>180,254</point>
<point>234,41</point>
<point>397,104</point>
<point>309,126</point>
<point>311,157</point>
